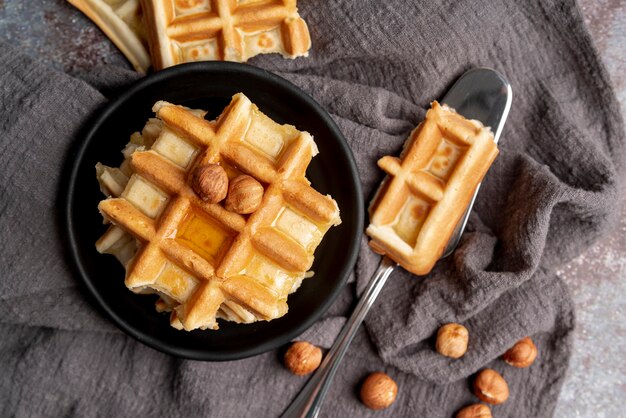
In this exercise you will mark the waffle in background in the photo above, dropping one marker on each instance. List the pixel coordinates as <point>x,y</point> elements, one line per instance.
<point>204,261</point>
<point>178,31</point>
<point>232,30</point>
<point>428,188</point>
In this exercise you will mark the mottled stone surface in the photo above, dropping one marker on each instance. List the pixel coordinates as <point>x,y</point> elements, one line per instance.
<point>58,34</point>
<point>62,37</point>
<point>596,382</point>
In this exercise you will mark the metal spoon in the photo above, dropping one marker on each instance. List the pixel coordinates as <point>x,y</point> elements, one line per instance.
<point>482,94</point>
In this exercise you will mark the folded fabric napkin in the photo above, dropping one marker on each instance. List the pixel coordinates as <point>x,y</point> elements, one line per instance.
<point>375,66</point>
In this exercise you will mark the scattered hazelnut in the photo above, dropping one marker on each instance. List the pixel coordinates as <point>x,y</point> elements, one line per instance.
<point>244,195</point>
<point>490,387</point>
<point>522,354</point>
<point>210,182</point>
<point>452,340</point>
<point>302,358</point>
<point>477,410</point>
<point>378,391</point>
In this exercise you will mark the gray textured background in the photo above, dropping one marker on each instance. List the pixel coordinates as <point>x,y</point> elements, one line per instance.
<point>596,382</point>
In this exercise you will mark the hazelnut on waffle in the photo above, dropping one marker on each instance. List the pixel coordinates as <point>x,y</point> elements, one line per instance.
<point>429,187</point>
<point>202,259</point>
<point>232,30</point>
<point>120,20</point>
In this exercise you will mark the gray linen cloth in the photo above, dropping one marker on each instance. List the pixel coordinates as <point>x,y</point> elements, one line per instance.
<point>375,66</point>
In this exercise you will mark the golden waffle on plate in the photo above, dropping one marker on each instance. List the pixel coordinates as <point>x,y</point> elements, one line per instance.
<point>233,30</point>
<point>121,21</point>
<point>429,187</point>
<point>203,260</point>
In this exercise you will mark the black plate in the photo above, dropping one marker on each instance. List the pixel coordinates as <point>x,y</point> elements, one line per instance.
<point>210,85</point>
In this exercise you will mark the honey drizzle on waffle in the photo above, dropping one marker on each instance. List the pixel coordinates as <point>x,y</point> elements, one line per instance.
<point>193,30</point>
<point>427,190</point>
<point>207,261</point>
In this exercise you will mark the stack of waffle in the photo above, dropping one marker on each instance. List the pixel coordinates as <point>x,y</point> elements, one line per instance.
<point>204,261</point>
<point>428,188</point>
<point>177,31</point>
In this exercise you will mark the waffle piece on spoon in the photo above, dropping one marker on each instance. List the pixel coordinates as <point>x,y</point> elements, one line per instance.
<point>203,260</point>
<point>429,188</point>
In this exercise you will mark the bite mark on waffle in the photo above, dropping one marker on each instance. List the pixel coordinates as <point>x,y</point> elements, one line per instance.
<point>205,261</point>
<point>428,188</point>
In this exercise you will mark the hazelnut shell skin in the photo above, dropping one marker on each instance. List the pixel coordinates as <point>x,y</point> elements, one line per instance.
<point>477,410</point>
<point>244,195</point>
<point>522,354</point>
<point>490,387</point>
<point>452,340</point>
<point>302,358</point>
<point>378,391</point>
<point>210,182</point>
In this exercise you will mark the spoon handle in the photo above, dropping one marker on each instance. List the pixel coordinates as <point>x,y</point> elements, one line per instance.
<point>308,403</point>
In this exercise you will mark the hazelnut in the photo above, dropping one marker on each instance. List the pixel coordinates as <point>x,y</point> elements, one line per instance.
<point>475,411</point>
<point>522,354</point>
<point>452,340</point>
<point>210,183</point>
<point>378,391</point>
<point>302,358</point>
<point>490,387</point>
<point>244,195</point>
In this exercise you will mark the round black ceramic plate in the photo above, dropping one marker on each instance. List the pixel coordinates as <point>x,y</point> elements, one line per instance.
<point>209,86</point>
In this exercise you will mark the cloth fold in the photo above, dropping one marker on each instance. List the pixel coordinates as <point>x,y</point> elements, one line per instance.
<point>375,67</point>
